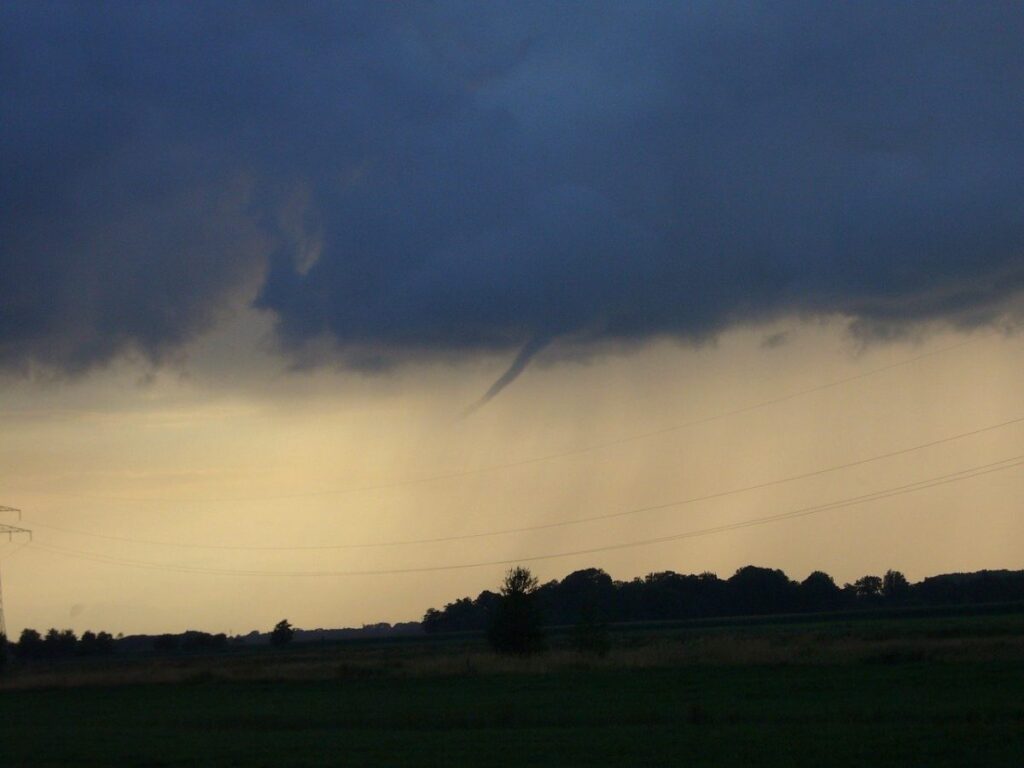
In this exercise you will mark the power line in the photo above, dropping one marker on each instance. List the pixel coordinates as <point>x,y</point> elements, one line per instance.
<point>540,526</point>
<point>977,471</point>
<point>535,459</point>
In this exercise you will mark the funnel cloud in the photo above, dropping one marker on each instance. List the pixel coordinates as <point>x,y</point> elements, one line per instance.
<point>522,359</point>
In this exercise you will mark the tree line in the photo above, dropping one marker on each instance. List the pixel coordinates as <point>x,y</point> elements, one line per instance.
<point>59,644</point>
<point>588,600</point>
<point>191,640</point>
<point>591,595</point>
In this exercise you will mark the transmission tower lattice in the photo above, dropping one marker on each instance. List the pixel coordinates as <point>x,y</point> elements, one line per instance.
<point>11,531</point>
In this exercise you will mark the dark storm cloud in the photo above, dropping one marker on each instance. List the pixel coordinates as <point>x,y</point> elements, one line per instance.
<point>437,179</point>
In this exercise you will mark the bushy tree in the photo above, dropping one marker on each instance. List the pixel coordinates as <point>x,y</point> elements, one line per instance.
<point>30,644</point>
<point>60,643</point>
<point>818,592</point>
<point>104,643</point>
<point>87,643</point>
<point>761,590</point>
<point>895,586</point>
<point>868,587</point>
<point>3,652</point>
<point>95,644</point>
<point>580,592</point>
<point>433,621</point>
<point>282,634</point>
<point>515,626</point>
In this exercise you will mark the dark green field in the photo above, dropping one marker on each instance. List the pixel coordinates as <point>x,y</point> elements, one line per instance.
<point>942,696</point>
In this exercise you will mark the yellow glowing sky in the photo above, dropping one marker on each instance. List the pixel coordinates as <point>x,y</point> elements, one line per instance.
<point>229,448</point>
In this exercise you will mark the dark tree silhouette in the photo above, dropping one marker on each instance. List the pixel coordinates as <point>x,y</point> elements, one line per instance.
<point>978,587</point>
<point>895,586</point>
<point>868,587</point>
<point>192,641</point>
<point>762,590</point>
<point>59,643</point>
<point>87,643</point>
<point>463,615</point>
<point>433,621</point>
<point>282,634</point>
<point>30,644</point>
<point>751,591</point>
<point>104,643</point>
<point>818,592</point>
<point>95,644</point>
<point>578,593</point>
<point>3,652</point>
<point>62,644</point>
<point>515,626</point>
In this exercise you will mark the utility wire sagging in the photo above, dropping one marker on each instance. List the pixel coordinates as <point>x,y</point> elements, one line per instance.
<point>543,526</point>
<point>964,474</point>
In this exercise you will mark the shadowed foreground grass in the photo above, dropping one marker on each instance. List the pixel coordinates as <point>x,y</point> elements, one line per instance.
<point>956,639</point>
<point>900,713</point>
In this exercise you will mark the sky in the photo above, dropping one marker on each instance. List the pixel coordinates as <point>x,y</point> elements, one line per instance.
<point>334,312</point>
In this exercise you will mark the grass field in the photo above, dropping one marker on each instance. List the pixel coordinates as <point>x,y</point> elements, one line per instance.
<point>923,693</point>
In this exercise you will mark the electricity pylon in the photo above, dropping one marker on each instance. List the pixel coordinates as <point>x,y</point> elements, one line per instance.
<point>11,531</point>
